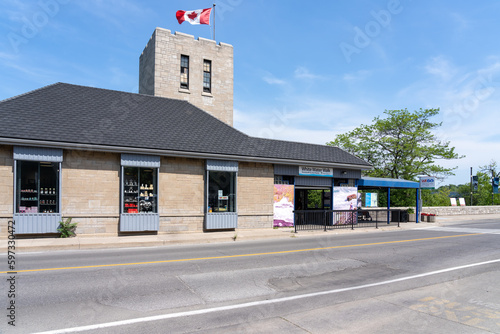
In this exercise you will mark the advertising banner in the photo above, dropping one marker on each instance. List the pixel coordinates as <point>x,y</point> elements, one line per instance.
<point>345,198</point>
<point>283,205</point>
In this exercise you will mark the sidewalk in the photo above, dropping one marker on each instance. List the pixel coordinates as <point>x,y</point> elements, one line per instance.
<point>97,242</point>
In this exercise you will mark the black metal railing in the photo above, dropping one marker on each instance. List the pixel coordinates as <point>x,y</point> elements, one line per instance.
<point>335,219</point>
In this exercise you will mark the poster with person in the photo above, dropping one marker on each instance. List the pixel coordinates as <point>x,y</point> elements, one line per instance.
<point>345,198</point>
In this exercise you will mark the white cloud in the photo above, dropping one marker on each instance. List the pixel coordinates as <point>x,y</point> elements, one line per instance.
<point>7,56</point>
<point>304,73</point>
<point>15,10</point>
<point>304,119</point>
<point>469,102</point>
<point>38,74</point>
<point>273,80</point>
<point>441,67</point>
<point>279,126</point>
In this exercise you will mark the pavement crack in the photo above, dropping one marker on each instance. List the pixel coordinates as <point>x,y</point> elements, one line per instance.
<point>294,324</point>
<point>191,289</point>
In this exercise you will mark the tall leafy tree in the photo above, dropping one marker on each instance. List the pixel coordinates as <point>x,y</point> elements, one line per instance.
<point>400,145</point>
<point>484,194</point>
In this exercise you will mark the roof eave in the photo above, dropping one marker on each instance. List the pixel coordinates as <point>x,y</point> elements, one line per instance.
<point>171,153</point>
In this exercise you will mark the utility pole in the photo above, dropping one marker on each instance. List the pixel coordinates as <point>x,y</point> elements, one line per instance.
<point>471,189</point>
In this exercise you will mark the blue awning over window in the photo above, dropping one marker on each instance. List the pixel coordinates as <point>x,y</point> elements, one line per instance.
<point>366,181</point>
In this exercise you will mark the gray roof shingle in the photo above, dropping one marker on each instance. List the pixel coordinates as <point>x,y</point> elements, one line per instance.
<point>65,113</point>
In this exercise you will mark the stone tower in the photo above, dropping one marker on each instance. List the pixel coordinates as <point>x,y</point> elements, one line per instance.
<point>180,67</point>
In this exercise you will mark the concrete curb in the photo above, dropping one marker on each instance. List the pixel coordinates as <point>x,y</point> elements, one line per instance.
<point>103,242</point>
<point>82,243</point>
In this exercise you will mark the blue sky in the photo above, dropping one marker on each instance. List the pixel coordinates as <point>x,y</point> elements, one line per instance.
<point>304,71</point>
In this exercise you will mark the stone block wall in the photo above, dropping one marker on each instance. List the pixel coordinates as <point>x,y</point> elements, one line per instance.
<point>457,210</point>
<point>7,188</point>
<point>91,191</point>
<point>255,195</point>
<point>462,210</point>
<point>147,68</point>
<point>159,71</point>
<point>181,201</point>
<point>6,181</point>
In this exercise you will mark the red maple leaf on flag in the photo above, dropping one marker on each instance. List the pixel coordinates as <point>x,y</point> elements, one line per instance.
<point>199,16</point>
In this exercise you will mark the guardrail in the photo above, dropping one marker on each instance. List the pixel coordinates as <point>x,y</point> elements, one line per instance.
<point>334,219</point>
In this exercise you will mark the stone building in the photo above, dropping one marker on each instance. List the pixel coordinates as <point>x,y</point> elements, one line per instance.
<point>199,71</point>
<point>164,160</point>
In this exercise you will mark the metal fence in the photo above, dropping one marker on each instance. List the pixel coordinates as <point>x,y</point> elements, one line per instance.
<point>335,219</point>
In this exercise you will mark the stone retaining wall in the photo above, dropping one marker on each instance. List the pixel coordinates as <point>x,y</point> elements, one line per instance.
<point>460,210</point>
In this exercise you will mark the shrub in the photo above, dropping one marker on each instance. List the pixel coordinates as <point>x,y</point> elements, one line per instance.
<point>67,228</point>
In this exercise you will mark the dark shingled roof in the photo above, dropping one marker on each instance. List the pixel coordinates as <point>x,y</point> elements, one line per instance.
<point>64,113</point>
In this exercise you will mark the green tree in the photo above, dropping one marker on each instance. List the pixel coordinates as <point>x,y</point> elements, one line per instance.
<point>436,197</point>
<point>314,199</point>
<point>483,194</point>
<point>485,188</point>
<point>401,145</point>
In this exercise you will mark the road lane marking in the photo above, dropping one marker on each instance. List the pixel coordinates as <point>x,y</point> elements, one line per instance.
<point>257,303</point>
<point>462,230</point>
<point>239,255</point>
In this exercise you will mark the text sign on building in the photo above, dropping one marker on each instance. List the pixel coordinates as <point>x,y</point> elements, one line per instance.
<point>315,171</point>
<point>427,182</point>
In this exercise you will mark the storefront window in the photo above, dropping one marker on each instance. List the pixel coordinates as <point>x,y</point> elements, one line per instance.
<point>37,187</point>
<point>140,190</point>
<point>221,191</point>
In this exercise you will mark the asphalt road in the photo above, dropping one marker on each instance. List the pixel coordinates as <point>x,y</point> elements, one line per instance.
<point>434,280</point>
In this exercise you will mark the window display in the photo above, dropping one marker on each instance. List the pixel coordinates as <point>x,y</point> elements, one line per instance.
<point>221,191</point>
<point>140,190</point>
<point>37,187</point>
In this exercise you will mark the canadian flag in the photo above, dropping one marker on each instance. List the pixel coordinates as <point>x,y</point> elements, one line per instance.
<point>199,16</point>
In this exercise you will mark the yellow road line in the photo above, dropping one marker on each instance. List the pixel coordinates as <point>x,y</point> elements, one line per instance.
<point>240,255</point>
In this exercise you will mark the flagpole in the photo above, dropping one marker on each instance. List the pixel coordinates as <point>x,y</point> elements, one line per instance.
<point>214,19</point>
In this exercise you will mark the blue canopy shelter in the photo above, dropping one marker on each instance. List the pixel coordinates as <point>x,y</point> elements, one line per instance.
<point>382,183</point>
